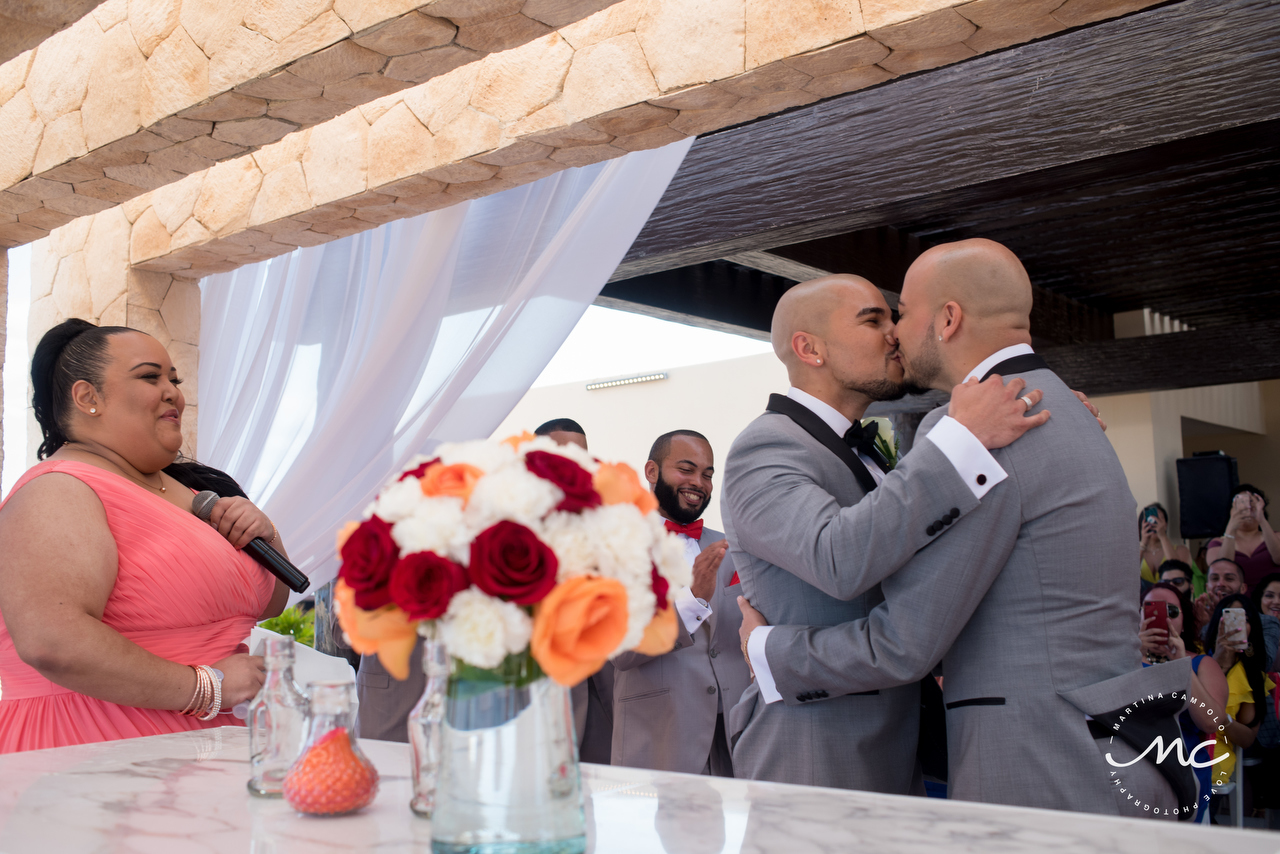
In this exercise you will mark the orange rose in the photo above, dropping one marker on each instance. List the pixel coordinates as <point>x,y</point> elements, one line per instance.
<point>660,635</point>
<point>347,530</point>
<point>388,631</point>
<point>618,483</point>
<point>456,480</point>
<point>516,441</point>
<point>577,627</point>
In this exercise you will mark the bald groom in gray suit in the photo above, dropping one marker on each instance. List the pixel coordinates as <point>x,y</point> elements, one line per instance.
<point>814,524</point>
<point>1029,602</point>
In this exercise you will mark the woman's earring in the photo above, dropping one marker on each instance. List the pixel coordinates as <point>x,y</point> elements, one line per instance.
<point>93,411</point>
<point>1248,650</point>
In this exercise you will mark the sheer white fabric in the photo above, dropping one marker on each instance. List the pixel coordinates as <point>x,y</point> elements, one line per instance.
<point>323,371</point>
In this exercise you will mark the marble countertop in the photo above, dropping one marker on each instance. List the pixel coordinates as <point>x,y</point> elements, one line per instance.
<point>186,793</point>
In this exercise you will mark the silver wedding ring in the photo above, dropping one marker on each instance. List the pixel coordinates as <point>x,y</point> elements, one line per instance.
<point>1027,400</point>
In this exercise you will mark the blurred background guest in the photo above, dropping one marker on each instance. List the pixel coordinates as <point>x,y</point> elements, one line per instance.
<point>1178,574</point>
<point>1248,539</point>
<point>1154,542</point>
<point>1224,579</point>
<point>121,613</point>
<point>1182,639</point>
<point>1240,655</point>
<point>592,698</point>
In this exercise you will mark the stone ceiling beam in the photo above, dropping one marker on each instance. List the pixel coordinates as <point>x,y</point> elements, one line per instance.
<point>135,95</point>
<point>637,75</point>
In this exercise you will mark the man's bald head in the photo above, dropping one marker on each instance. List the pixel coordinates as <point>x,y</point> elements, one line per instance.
<point>985,278</point>
<point>809,307</point>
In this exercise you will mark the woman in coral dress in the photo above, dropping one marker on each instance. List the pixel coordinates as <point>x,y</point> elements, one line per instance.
<point>112,594</point>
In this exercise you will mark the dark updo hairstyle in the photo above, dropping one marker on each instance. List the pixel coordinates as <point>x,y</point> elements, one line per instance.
<point>73,350</point>
<point>76,350</point>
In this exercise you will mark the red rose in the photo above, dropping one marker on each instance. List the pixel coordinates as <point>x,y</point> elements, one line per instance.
<point>509,561</point>
<point>660,588</point>
<point>368,557</point>
<point>423,583</point>
<point>573,480</point>
<point>419,471</point>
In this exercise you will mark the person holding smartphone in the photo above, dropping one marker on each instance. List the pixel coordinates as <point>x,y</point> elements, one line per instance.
<point>1154,542</point>
<point>1169,632</point>
<point>1248,539</point>
<point>1235,642</point>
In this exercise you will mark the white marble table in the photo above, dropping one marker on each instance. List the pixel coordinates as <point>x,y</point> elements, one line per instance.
<point>186,793</point>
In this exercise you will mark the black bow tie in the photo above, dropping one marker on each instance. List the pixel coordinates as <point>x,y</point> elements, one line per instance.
<point>862,438</point>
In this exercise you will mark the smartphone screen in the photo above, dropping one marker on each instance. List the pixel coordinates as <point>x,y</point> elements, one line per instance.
<point>1158,610</point>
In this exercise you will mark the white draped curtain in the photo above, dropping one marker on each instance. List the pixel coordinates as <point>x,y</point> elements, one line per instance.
<point>323,371</point>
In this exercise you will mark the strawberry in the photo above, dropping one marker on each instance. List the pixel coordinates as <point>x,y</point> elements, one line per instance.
<point>331,779</point>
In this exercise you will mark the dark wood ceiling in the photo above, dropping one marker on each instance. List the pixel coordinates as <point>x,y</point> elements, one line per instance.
<point>1131,164</point>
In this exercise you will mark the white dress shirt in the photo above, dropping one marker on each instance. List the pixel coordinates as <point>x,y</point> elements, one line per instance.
<point>971,460</point>
<point>692,610</point>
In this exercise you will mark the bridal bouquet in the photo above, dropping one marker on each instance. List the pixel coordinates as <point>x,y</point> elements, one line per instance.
<point>516,548</point>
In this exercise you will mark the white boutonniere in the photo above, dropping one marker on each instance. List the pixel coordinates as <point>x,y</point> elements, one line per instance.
<point>886,440</point>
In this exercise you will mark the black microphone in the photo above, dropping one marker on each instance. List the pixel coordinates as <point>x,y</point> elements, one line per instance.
<point>258,548</point>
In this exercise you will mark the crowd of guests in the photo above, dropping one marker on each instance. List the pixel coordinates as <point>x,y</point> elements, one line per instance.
<point>1235,661</point>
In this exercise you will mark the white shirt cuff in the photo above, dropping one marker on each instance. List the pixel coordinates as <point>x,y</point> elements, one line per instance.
<point>974,463</point>
<point>692,610</point>
<point>760,664</point>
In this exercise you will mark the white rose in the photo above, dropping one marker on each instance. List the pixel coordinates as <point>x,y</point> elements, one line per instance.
<point>622,540</point>
<point>482,631</point>
<point>641,604</point>
<point>481,453</point>
<point>668,555</point>
<point>511,493</point>
<point>567,536</point>
<point>398,500</point>
<point>884,427</point>
<point>436,525</point>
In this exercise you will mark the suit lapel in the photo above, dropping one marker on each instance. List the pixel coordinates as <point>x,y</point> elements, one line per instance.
<point>818,429</point>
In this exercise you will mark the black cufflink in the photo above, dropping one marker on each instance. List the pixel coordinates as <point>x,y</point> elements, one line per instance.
<point>982,478</point>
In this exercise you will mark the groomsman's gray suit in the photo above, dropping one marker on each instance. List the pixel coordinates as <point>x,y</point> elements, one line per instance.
<point>810,546</point>
<point>665,707</point>
<point>1031,604</point>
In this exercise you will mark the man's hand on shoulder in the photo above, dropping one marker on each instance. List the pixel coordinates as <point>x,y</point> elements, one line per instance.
<point>705,567</point>
<point>994,412</point>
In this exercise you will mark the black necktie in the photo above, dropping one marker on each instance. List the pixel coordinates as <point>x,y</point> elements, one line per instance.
<point>862,438</point>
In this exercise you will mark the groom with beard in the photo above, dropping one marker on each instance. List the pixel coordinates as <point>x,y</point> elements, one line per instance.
<point>669,709</point>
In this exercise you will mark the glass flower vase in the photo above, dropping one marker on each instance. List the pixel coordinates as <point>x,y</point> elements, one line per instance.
<point>426,719</point>
<point>508,779</point>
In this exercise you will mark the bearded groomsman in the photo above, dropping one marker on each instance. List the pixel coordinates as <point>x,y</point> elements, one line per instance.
<point>669,710</point>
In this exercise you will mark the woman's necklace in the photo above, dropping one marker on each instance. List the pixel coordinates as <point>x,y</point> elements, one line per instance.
<point>161,488</point>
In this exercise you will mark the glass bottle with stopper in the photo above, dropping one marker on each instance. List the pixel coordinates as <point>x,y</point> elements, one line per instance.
<point>332,776</point>
<point>275,719</point>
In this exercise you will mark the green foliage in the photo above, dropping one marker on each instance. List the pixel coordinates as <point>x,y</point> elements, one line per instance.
<point>293,622</point>
<point>517,670</point>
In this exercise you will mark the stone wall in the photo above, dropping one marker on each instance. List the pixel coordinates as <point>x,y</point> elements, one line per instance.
<point>138,93</point>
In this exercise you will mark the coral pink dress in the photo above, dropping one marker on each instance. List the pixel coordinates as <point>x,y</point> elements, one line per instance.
<point>182,592</point>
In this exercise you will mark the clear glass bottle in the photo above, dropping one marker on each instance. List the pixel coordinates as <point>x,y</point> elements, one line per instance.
<point>331,775</point>
<point>425,721</point>
<point>275,721</point>
<point>508,776</point>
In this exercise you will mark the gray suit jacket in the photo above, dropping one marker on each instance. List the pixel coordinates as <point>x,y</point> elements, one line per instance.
<point>1030,604</point>
<point>811,547</point>
<point>665,706</point>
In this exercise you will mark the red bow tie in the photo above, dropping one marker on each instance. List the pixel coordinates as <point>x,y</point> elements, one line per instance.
<point>693,530</point>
